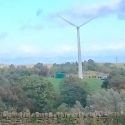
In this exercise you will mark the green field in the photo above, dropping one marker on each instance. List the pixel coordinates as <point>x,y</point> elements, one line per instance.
<point>56,83</point>
<point>92,85</point>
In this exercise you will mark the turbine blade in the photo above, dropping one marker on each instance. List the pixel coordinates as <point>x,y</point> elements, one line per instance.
<point>87,21</point>
<point>67,21</point>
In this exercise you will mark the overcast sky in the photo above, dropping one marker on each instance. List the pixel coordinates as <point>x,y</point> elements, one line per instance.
<point>31,30</point>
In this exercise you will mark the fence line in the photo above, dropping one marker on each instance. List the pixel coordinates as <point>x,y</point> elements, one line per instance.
<point>7,114</point>
<point>27,118</point>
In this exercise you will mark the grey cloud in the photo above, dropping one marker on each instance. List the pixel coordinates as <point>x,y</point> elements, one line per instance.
<point>121,9</point>
<point>3,35</point>
<point>82,12</point>
<point>117,9</point>
<point>122,6</point>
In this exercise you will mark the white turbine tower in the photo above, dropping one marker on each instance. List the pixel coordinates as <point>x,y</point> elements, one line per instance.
<point>80,72</point>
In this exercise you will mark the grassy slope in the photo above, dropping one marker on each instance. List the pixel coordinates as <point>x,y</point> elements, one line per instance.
<point>92,85</point>
<point>56,83</point>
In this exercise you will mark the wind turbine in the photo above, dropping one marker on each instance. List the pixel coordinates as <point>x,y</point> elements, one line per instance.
<point>80,71</point>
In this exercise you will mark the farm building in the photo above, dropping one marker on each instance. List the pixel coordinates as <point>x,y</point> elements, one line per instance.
<point>94,74</point>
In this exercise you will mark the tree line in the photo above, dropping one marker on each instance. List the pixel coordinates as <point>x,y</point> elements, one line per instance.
<point>23,88</point>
